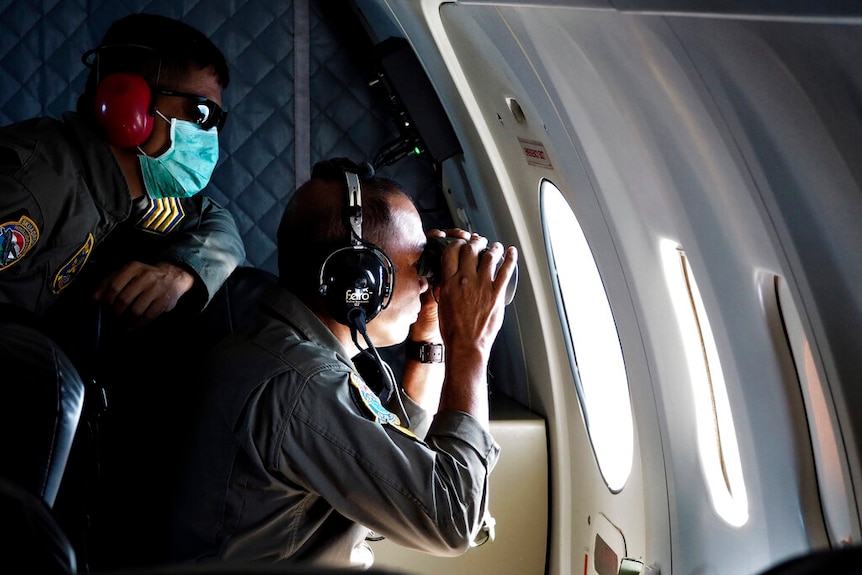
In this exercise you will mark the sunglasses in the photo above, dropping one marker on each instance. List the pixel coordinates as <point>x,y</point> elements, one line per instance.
<point>209,113</point>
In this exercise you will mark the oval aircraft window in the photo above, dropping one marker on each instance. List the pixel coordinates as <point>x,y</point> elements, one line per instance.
<point>591,335</point>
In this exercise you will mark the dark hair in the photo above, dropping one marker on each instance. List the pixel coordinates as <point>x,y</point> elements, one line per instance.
<point>314,222</point>
<point>159,48</point>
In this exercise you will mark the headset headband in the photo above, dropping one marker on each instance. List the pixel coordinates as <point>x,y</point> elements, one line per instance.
<point>90,58</point>
<point>358,277</point>
<point>354,207</point>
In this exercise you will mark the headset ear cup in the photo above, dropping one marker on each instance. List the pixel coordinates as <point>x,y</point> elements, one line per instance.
<point>122,108</point>
<point>356,276</point>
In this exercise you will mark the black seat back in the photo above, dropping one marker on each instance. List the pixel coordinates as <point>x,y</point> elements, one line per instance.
<point>43,396</point>
<point>30,538</point>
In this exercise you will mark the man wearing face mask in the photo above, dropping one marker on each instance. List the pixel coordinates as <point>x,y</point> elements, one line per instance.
<point>103,230</point>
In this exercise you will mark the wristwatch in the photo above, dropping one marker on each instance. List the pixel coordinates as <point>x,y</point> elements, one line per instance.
<point>425,352</point>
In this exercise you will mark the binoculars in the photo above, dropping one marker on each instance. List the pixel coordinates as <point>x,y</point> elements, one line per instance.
<point>429,265</point>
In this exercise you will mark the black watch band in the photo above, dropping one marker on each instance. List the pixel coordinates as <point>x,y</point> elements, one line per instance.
<point>425,352</point>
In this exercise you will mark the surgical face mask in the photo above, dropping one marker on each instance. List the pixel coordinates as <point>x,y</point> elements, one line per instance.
<point>185,168</point>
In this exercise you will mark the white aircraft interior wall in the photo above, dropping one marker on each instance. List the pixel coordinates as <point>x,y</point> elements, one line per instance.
<point>733,138</point>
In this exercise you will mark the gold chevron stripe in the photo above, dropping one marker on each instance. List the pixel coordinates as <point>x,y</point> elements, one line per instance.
<point>163,215</point>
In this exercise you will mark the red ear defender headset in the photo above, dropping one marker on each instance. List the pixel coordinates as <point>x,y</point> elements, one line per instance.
<point>356,281</point>
<point>122,104</point>
<point>123,109</point>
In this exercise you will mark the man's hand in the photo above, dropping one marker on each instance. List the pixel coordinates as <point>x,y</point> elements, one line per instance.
<point>139,293</point>
<point>473,293</point>
<point>471,310</point>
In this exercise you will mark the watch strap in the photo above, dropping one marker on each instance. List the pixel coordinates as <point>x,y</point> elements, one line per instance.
<point>425,352</point>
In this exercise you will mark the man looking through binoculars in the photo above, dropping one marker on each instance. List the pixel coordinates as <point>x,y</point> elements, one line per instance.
<point>296,457</point>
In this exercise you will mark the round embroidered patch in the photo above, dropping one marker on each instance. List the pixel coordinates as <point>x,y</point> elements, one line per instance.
<point>16,239</point>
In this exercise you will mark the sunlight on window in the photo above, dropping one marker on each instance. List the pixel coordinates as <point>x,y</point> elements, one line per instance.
<point>594,344</point>
<point>716,436</point>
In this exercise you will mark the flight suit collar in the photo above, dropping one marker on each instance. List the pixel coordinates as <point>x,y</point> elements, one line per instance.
<point>289,309</point>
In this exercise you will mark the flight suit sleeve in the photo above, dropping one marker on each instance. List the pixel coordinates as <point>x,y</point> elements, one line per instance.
<point>418,418</point>
<point>428,495</point>
<point>210,246</point>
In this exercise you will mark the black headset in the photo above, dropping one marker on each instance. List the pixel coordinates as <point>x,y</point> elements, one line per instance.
<point>356,281</point>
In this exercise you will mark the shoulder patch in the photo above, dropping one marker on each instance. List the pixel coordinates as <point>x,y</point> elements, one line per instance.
<point>70,269</point>
<point>163,215</point>
<point>16,239</point>
<point>372,403</point>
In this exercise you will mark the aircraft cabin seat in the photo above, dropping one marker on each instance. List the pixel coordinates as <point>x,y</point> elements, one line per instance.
<point>39,415</point>
<point>30,537</point>
<point>37,422</point>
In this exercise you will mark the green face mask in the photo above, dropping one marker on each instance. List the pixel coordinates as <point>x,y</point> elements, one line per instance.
<point>185,168</point>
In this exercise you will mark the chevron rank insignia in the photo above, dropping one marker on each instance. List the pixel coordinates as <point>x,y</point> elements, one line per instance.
<point>162,216</point>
